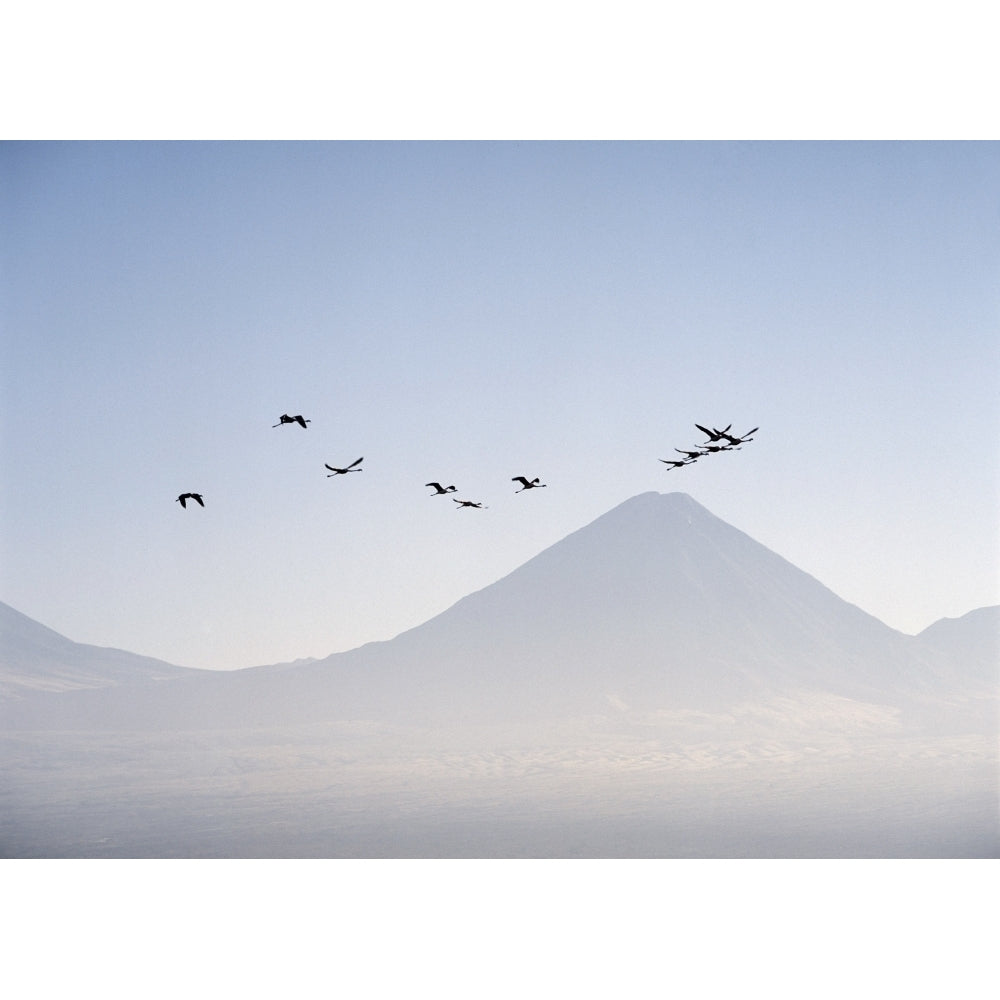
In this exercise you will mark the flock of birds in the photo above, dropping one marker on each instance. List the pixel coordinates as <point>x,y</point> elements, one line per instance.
<point>732,443</point>
<point>711,446</point>
<point>439,490</point>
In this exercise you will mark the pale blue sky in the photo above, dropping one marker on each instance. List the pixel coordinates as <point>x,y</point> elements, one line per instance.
<point>468,312</point>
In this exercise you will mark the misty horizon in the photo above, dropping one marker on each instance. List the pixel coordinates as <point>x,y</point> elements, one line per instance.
<point>649,669</point>
<point>312,658</point>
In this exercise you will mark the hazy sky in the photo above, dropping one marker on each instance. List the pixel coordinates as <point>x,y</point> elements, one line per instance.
<point>469,312</point>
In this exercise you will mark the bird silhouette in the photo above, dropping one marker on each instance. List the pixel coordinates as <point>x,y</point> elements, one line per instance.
<point>286,419</point>
<point>690,454</point>
<point>675,463</point>
<point>184,497</point>
<point>468,503</point>
<point>713,434</point>
<point>533,485</point>
<point>439,489</point>
<point>343,472</point>
<point>734,440</point>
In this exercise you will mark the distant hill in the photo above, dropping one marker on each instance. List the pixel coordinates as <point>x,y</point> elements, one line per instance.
<point>972,642</point>
<point>658,606</point>
<point>34,658</point>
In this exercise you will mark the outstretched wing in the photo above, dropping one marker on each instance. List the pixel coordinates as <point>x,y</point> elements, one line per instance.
<point>356,462</point>
<point>199,499</point>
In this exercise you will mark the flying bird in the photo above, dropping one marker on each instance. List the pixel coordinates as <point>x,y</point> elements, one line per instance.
<point>690,454</point>
<point>184,497</point>
<point>468,503</point>
<point>734,440</point>
<point>286,419</point>
<point>343,472</point>
<point>533,485</point>
<point>675,464</point>
<point>439,489</point>
<point>713,435</point>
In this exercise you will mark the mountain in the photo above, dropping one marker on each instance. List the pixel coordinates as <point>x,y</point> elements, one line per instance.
<point>972,641</point>
<point>34,658</point>
<point>657,684</point>
<point>658,606</point>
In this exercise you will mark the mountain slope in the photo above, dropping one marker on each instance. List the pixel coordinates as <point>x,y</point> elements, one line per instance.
<point>971,642</point>
<point>34,658</point>
<point>657,606</point>
<point>659,593</point>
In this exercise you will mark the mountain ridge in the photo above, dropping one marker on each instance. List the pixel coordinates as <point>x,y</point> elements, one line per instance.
<point>973,637</point>
<point>36,658</point>
<point>655,606</point>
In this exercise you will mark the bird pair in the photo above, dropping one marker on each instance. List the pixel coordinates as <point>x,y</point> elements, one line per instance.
<point>301,421</point>
<point>439,490</point>
<point>534,484</point>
